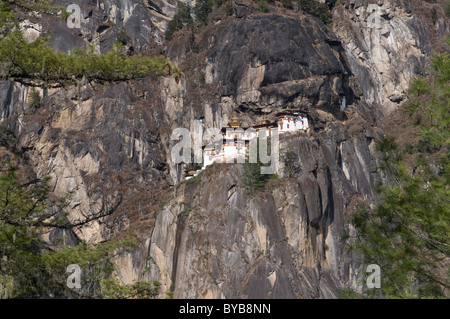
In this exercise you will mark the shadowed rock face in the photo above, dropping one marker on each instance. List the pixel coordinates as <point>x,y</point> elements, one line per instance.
<point>277,60</point>
<point>210,239</point>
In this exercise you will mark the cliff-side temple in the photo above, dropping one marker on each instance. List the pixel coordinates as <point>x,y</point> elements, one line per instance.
<point>235,138</point>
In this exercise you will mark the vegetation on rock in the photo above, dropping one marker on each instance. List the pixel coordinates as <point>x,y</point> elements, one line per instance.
<point>203,8</point>
<point>252,178</point>
<point>315,8</point>
<point>312,7</point>
<point>34,98</point>
<point>37,64</point>
<point>406,234</point>
<point>181,18</point>
<point>32,267</point>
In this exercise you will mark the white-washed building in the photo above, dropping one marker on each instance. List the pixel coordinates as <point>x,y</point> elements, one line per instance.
<point>292,120</point>
<point>233,146</point>
<point>235,139</point>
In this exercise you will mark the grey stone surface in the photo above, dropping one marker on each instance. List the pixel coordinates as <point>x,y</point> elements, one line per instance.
<point>114,141</point>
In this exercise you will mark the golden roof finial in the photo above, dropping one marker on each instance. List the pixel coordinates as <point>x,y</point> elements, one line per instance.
<point>292,109</point>
<point>234,122</point>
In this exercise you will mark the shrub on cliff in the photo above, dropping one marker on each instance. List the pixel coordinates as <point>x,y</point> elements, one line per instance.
<point>253,180</point>
<point>317,9</point>
<point>262,5</point>
<point>181,18</point>
<point>36,62</point>
<point>33,98</point>
<point>203,8</point>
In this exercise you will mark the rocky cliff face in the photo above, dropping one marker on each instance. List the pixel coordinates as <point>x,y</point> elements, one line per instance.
<point>214,240</point>
<point>283,243</point>
<point>208,238</point>
<point>387,43</point>
<point>138,24</point>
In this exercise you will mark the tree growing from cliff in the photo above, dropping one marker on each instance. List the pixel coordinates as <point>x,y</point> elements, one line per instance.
<point>31,267</point>
<point>407,233</point>
<point>37,64</point>
<point>181,18</point>
<point>315,8</point>
<point>34,98</point>
<point>252,178</point>
<point>203,8</point>
<point>262,5</point>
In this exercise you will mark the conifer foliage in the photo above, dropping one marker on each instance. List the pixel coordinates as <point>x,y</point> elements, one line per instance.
<point>37,64</point>
<point>407,233</point>
<point>32,265</point>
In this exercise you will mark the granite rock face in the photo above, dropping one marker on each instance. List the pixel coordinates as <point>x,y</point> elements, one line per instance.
<point>276,60</point>
<point>209,238</point>
<point>386,45</point>
<point>137,24</point>
<point>214,240</point>
<point>79,139</point>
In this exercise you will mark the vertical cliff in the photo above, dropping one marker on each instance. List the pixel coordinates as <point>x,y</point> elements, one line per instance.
<point>214,240</point>
<point>208,238</point>
<point>387,43</point>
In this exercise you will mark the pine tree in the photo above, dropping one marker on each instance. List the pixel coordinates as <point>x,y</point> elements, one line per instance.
<point>202,9</point>
<point>31,267</point>
<point>36,63</point>
<point>407,233</point>
<point>181,18</point>
<point>34,98</point>
<point>253,180</point>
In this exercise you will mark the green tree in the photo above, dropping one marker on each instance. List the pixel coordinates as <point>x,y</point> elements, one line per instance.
<point>34,99</point>
<point>229,7</point>
<point>31,267</point>
<point>201,78</point>
<point>434,15</point>
<point>407,233</point>
<point>37,64</point>
<point>315,8</point>
<point>253,180</point>
<point>112,289</point>
<point>262,5</point>
<point>181,18</point>
<point>195,48</point>
<point>122,38</point>
<point>202,9</point>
